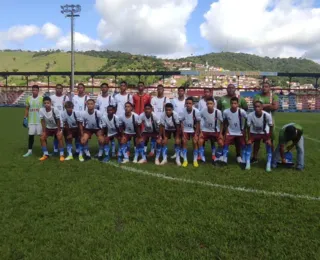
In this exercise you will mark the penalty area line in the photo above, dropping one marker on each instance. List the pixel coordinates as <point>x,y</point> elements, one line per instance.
<point>216,185</point>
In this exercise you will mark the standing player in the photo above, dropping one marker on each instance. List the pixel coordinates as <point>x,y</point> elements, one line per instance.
<point>259,128</point>
<point>234,125</point>
<point>270,104</point>
<point>190,119</point>
<point>51,126</point>
<point>129,129</point>
<point>110,124</point>
<point>70,127</point>
<point>104,100</point>
<point>211,130</point>
<point>150,128</point>
<point>169,125</point>
<point>290,133</point>
<point>31,118</point>
<point>158,103</point>
<point>58,100</point>
<point>122,98</point>
<point>89,124</point>
<point>203,101</point>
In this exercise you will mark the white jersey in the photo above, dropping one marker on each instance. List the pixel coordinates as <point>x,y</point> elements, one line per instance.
<point>203,104</point>
<point>189,119</point>
<point>103,102</point>
<point>211,122</point>
<point>112,124</point>
<point>235,121</point>
<point>91,121</point>
<point>120,101</point>
<point>50,117</point>
<point>158,105</point>
<point>129,124</point>
<point>71,120</point>
<point>178,105</point>
<point>58,102</point>
<point>259,125</point>
<point>151,124</point>
<point>170,123</point>
<point>80,103</point>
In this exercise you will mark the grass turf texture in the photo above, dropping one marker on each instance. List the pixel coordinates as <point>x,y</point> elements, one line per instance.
<point>90,210</point>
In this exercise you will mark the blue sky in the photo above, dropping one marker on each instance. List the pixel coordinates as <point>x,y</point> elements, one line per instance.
<point>262,27</point>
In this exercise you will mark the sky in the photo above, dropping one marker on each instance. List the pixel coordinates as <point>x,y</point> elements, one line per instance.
<point>167,28</point>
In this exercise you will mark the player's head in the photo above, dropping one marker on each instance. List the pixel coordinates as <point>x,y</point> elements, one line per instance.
<point>69,107</point>
<point>141,87</point>
<point>110,110</point>
<point>104,88</point>
<point>147,109</point>
<point>47,102</point>
<point>291,133</point>
<point>258,106</point>
<point>210,103</point>
<point>207,92</point>
<point>231,90</point>
<point>234,102</point>
<point>266,88</point>
<point>160,89</point>
<point>181,92</point>
<point>169,109</point>
<point>91,104</point>
<point>128,107</point>
<point>59,89</point>
<point>189,103</point>
<point>35,90</point>
<point>81,88</point>
<point>123,86</point>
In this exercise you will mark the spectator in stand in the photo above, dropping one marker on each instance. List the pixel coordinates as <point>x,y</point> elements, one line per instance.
<point>141,99</point>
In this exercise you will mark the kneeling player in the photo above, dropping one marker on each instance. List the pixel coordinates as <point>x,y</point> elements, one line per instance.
<point>71,128</point>
<point>190,119</point>
<point>110,123</point>
<point>129,129</point>
<point>259,128</point>
<point>50,121</point>
<point>150,123</point>
<point>89,124</point>
<point>234,125</point>
<point>211,129</point>
<point>169,125</point>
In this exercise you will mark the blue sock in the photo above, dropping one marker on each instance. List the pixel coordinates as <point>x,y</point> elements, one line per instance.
<point>86,149</point>
<point>153,144</point>
<point>219,153</point>
<point>269,154</point>
<point>61,150</point>
<point>69,149</point>
<point>113,147</point>
<point>77,142</point>
<point>124,151</point>
<point>213,149</point>
<point>158,151</point>
<point>128,146</point>
<point>45,151</point>
<point>101,148</point>
<point>201,151</point>
<point>184,152</point>
<point>195,155</point>
<point>243,154</point>
<point>81,148</point>
<point>164,152</point>
<point>248,154</point>
<point>142,151</point>
<point>177,149</point>
<point>106,149</point>
<point>55,144</point>
<point>225,153</point>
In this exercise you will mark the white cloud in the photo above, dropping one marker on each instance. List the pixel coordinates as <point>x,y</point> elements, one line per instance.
<point>279,28</point>
<point>20,33</point>
<point>145,26</point>
<point>50,31</point>
<point>82,42</point>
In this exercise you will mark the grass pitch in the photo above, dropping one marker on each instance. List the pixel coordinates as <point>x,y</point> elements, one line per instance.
<point>90,210</point>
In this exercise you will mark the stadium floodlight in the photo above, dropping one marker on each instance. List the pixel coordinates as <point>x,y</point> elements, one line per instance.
<point>71,11</point>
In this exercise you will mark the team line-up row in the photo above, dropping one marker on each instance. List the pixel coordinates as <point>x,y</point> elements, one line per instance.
<point>232,126</point>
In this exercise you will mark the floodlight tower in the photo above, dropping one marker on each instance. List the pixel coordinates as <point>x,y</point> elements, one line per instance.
<point>71,11</point>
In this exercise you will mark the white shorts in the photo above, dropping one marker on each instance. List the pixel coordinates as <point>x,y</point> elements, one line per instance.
<point>35,129</point>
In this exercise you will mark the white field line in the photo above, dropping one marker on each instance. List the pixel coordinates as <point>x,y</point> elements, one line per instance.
<point>306,137</point>
<point>215,185</point>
